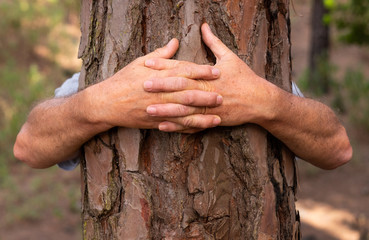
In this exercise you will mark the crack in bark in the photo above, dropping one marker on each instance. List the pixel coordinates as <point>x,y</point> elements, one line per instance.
<point>104,143</point>
<point>273,67</point>
<point>85,204</point>
<point>91,60</point>
<point>143,27</point>
<point>119,176</point>
<point>222,27</point>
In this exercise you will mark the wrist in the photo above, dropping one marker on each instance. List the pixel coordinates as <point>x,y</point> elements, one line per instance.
<point>269,109</point>
<point>91,109</point>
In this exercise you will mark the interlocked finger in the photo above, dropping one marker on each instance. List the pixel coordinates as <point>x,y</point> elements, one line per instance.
<point>197,121</point>
<point>175,127</point>
<point>173,110</point>
<point>172,84</point>
<point>195,98</point>
<point>172,68</point>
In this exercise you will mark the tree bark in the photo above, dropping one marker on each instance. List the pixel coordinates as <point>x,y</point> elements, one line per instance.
<point>223,183</point>
<point>319,49</point>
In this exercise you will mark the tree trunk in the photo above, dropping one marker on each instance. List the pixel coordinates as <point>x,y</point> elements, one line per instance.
<point>223,183</point>
<point>319,49</point>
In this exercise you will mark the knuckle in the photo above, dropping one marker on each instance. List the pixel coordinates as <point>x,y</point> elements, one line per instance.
<point>182,110</point>
<point>205,86</point>
<point>160,84</point>
<point>189,98</point>
<point>188,71</point>
<point>188,122</point>
<point>181,83</point>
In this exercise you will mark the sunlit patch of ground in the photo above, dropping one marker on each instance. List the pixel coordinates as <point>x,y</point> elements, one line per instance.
<point>333,221</point>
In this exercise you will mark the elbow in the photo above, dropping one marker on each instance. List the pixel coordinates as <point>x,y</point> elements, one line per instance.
<point>343,156</point>
<point>19,150</point>
<point>22,153</point>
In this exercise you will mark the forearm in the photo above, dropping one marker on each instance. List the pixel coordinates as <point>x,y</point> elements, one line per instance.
<point>309,128</point>
<point>55,130</point>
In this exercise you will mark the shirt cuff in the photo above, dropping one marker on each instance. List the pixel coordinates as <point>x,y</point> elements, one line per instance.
<point>69,87</point>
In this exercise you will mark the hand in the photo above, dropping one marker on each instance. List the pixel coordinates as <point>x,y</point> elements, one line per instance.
<point>122,101</point>
<point>245,94</point>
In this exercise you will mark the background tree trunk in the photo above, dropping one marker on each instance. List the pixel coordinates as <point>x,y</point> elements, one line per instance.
<point>223,183</point>
<point>319,49</point>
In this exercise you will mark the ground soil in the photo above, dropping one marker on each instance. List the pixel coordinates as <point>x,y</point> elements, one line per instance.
<point>333,204</point>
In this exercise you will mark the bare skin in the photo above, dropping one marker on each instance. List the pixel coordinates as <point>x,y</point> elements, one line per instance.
<point>57,128</point>
<point>310,129</point>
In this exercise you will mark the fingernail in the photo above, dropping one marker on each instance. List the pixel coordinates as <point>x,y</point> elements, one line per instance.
<point>148,85</point>
<point>216,121</point>
<point>149,63</point>
<point>219,100</point>
<point>215,71</point>
<point>151,110</point>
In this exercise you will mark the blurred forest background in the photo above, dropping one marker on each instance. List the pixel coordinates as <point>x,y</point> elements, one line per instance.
<point>38,50</point>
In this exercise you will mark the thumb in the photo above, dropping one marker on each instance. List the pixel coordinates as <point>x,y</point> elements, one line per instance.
<point>214,43</point>
<point>167,51</point>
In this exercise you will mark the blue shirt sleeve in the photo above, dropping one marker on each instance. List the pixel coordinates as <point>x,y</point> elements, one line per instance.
<point>296,90</point>
<point>69,87</point>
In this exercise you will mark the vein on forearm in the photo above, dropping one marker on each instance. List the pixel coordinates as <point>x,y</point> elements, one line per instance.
<point>309,128</point>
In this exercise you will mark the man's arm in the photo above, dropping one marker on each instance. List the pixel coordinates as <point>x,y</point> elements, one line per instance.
<point>310,129</point>
<point>57,128</point>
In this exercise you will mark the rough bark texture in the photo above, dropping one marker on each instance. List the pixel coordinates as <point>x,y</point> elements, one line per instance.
<point>223,183</point>
<point>319,48</point>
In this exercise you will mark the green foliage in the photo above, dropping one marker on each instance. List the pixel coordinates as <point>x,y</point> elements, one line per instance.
<point>357,87</point>
<point>303,81</point>
<point>23,88</point>
<point>318,82</point>
<point>350,95</point>
<point>351,19</point>
<point>338,102</point>
<point>329,5</point>
<point>26,23</point>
